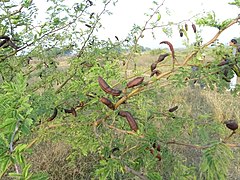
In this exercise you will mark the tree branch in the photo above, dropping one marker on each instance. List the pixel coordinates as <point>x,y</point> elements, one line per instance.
<point>17,168</point>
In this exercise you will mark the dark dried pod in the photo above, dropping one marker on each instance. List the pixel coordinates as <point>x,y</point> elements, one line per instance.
<point>67,110</point>
<point>231,124</point>
<point>115,149</point>
<point>194,28</point>
<point>91,15</point>
<point>186,26</point>
<point>107,102</point>
<point>170,47</point>
<point>162,57</point>
<point>88,25</point>
<point>156,146</point>
<point>3,42</point>
<point>74,113</point>
<point>153,66</point>
<point>173,109</point>
<point>157,72</point>
<point>90,2</point>
<point>116,38</point>
<point>131,121</point>
<point>181,32</point>
<point>53,115</point>
<point>135,82</point>
<point>105,87</point>
<point>223,62</point>
<point>159,157</point>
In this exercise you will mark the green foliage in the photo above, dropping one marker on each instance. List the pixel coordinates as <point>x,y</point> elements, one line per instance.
<point>36,83</point>
<point>211,21</point>
<point>216,160</point>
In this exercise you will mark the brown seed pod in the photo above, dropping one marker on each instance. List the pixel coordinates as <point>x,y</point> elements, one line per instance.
<point>153,66</point>
<point>131,121</point>
<point>186,26</point>
<point>53,115</point>
<point>135,82</point>
<point>162,57</point>
<point>170,46</point>
<point>157,72</point>
<point>173,109</point>
<point>158,156</point>
<point>156,146</point>
<point>194,28</point>
<point>72,111</point>
<point>105,87</point>
<point>231,124</point>
<point>107,102</point>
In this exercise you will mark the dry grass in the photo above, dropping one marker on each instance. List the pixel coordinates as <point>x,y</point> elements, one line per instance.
<point>54,159</point>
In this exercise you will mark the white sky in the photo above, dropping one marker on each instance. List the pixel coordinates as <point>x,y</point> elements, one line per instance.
<point>128,12</point>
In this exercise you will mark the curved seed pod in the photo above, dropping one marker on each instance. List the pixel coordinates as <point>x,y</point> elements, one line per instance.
<point>107,102</point>
<point>157,72</point>
<point>194,28</point>
<point>162,57</point>
<point>105,87</point>
<point>131,121</point>
<point>170,46</point>
<point>135,82</point>
<point>53,115</point>
<point>186,26</point>
<point>153,66</point>
<point>173,109</point>
<point>231,124</point>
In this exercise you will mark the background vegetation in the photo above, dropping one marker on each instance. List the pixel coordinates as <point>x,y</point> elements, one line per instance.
<point>54,123</point>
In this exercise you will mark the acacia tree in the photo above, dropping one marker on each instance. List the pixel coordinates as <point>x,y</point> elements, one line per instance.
<point>81,105</point>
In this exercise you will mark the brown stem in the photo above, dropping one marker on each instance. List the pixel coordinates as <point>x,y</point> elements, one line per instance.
<point>136,173</point>
<point>64,83</point>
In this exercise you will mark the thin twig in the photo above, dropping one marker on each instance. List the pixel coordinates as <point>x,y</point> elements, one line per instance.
<point>123,131</point>
<point>11,149</point>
